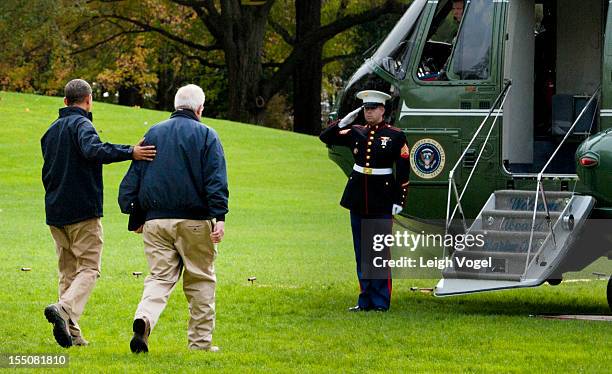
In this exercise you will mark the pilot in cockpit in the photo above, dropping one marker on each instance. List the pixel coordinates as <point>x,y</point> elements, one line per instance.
<point>434,62</point>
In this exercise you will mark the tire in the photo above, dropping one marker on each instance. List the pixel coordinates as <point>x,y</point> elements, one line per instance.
<point>554,282</point>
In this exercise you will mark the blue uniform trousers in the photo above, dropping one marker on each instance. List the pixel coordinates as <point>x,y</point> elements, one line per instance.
<point>375,285</point>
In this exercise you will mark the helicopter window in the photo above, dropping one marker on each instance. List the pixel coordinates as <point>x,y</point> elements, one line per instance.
<point>397,47</point>
<point>440,39</point>
<point>472,53</point>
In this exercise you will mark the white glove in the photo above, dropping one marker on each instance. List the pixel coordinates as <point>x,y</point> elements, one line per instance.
<point>397,209</point>
<point>349,118</point>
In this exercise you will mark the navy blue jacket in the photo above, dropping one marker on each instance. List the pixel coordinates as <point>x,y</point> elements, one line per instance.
<point>186,180</point>
<point>72,170</point>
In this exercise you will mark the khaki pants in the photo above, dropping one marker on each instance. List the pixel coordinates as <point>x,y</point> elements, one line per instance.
<point>172,245</point>
<point>79,250</point>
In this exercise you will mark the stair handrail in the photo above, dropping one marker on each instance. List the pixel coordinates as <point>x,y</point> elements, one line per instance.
<point>452,185</point>
<point>540,185</point>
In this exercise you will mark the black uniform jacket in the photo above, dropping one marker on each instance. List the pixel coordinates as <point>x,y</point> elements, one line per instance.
<point>72,170</point>
<point>186,180</point>
<point>380,146</point>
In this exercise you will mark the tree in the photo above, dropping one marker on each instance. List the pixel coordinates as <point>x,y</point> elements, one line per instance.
<point>34,54</point>
<point>308,73</point>
<point>237,29</point>
<point>131,78</point>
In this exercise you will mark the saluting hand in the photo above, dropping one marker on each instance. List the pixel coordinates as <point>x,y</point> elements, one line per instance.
<point>143,152</point>
<point>349,118</point>
<point>396,209</point>
<point>218,231</point>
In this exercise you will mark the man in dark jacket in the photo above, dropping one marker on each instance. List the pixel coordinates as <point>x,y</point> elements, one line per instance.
<point>183,197</point>
<point>372,194</point>
<point>72,176</point>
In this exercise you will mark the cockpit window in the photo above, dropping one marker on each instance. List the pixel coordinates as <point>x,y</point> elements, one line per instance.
<point>440,39</point>
<point>472,55</point>
<point>459,42</point>
<point>393,53</point>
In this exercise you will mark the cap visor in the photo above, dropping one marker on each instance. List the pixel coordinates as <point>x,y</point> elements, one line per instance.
<point>371,105</point>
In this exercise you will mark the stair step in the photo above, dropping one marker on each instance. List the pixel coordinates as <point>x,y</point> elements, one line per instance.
<point>519,200</point>
<point>503,234</point>
<point>484,276</point>
<point>519,214</point>
<point>484,254</point>
<point>506,241</point>
<point>513,220</point>
<point>502,266</point>
<point>519,193</point>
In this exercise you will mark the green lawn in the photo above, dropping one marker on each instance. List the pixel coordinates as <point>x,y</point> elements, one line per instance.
<point>286,228</point>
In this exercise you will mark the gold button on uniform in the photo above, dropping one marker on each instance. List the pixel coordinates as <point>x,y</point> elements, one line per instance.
<point>367,164</point>
<point>369,143</point>
<point>367,157</point>
<point>372,132</point>
<point>369,150</point>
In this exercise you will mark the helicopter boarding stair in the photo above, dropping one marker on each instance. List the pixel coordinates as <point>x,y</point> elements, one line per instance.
<point>525,234</point>
<point>505,226</point>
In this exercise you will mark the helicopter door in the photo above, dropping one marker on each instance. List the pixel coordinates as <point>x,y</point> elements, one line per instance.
<point>452,83</point>
<point>553,56</point>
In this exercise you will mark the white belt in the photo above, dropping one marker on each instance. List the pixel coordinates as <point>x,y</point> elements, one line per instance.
<point>372,171</point>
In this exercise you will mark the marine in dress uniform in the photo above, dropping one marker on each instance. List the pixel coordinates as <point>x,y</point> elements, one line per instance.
<point>373,193</point>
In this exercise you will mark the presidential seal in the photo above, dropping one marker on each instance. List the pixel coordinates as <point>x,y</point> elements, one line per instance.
<point>427,158</point>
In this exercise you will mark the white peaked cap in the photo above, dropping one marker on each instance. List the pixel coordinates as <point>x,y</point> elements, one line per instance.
<point>373,97</point>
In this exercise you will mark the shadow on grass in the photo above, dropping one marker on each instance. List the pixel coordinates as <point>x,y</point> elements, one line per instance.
<point>523,302</point>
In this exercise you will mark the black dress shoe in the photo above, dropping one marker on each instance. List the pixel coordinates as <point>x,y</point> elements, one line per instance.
<point>357,308</point>
<point>140,340</point>
<point>380,309</point>
<point>60,325</point>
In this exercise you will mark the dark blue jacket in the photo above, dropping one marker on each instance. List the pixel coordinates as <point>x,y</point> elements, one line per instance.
<point>72,170</point>
<point>186,180</point>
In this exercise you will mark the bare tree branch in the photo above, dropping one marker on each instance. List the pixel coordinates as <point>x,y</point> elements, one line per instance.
<point>147,27</point>
<point>321,35</point>
<point>272,64</point>
<point>330,59</point>
<point>342,24</point>
<point>280,30</point>
<point>201,60</point>
<point>110,38</point>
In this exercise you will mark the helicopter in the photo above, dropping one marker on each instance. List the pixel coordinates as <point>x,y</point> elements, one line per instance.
<point>507,109</point>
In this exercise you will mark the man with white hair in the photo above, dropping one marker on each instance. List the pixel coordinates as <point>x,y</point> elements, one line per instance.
<point>182,198</point>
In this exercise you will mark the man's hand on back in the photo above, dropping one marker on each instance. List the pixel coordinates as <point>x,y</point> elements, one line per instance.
<point>143,153</point>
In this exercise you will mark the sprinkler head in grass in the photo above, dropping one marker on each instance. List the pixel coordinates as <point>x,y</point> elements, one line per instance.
<point>137,273</point>
<point>252,279</point>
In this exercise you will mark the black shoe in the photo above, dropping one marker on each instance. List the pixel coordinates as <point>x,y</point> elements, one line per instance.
<point>357,308</point>
<point>60,326</point>
<point>380,309</point>
<point>139,342</point>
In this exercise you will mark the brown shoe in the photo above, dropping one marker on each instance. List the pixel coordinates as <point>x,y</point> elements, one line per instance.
<point>140,340</point>
<point>79,341</point>
<point>54,315</point>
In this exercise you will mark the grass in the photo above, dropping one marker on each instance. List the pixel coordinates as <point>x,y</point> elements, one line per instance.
<point>286,228</point>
